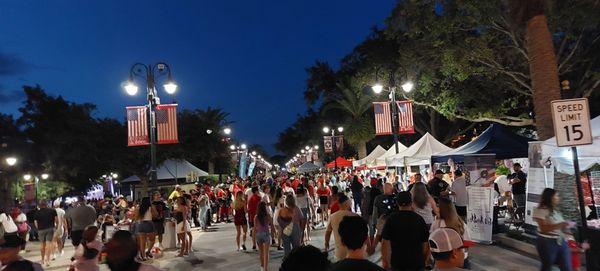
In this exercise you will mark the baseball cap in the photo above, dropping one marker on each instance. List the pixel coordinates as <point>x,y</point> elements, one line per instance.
<point>13,241</point>
<point>446,239</point>
<point>403,198</point>
<point>439,172</point>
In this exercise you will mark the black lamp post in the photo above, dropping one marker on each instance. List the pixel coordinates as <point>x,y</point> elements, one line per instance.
<point>150,73</point>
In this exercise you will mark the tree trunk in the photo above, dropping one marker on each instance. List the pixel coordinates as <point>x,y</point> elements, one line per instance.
<point>544,73</point>
<point>433,123</point>
<point>361,147</point>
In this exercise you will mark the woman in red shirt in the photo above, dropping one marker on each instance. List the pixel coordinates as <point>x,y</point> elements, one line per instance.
<point>324,195</point>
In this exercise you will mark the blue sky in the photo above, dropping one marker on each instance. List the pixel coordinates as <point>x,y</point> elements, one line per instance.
<point>247,57</point>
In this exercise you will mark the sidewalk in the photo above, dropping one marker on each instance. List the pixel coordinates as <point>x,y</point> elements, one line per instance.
<point>218,251</point>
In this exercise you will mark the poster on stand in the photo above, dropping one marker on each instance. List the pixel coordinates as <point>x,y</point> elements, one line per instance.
<point>539,177</point>
<point>480,169</point>
<point>480,213</point>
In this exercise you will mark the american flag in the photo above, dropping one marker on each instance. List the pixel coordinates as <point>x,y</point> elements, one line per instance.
<point>166,123</point>
<point>137,126</point>
<point>405,117</point>
<point>383,118</point>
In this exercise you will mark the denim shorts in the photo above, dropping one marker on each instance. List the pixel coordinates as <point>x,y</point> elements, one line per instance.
<point>263,237</point>
<point>46,235</point>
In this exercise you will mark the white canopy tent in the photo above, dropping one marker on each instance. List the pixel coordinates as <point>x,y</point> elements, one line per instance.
<point>178,169</point>
<point>419,153</point>
<point>369,159</point>
<point>307,167</point>
<point>380,161</point>
<point>562,157</point>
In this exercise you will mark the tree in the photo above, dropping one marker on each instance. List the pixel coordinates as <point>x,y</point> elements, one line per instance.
<point>352,107</point>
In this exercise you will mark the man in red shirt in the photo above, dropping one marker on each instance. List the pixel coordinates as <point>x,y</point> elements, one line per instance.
<point>253,202</point>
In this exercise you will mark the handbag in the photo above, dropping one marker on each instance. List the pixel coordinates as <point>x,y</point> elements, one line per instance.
<point>289,229</point>
<point>22,227</point>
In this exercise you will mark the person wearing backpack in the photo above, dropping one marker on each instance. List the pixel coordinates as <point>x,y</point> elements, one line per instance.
<point>8,228</point>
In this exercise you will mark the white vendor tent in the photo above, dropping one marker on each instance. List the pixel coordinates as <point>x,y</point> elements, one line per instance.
<point>419,153</point>
<point>562,158</point>
<point>380,161</point>
<point>369,159</point>
<point>307,167</point>
<point>178,169</point>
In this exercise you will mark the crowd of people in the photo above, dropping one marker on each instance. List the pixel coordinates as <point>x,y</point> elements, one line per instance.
<point>416,225</point>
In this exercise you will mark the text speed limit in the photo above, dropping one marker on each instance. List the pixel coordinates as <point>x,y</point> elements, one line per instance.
<point>571,122</point>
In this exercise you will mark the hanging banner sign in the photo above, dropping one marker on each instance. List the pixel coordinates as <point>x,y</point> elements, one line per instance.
<point>339,144</point>
<point>405,117</point>
<point>480,213</point>
<point>328,144</point>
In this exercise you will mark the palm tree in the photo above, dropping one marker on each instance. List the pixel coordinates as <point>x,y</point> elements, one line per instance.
<point>543,67</point>
<point>353,104</point>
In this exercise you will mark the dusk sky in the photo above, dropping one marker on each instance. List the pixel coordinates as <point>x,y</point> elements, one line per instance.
<point>247,57</point>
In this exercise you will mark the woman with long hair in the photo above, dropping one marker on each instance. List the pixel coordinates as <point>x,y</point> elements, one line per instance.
<point>183,225</point>
<point>279,203</point>
<point>239,219</point>
<point>449,218</point>
<point>145,228</point>
<point>423,203</point>
<point>188,232</point>
<point>291,221</point>
<point>263,230</point>
<point>552,243</point>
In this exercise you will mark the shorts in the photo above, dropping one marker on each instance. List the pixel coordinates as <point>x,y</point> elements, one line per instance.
<point>183,227</point>
<point>263,237</point>
<point>59,233</point>
<point>323,200</point>
<point>145,227</point>
<point>159,227</point>
<point>519,199</point>
<point>76,237</point>
<point>46,235</point>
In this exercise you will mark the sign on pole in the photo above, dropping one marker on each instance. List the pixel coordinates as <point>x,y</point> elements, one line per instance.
<point>328,144</point>
<point>571,122</point>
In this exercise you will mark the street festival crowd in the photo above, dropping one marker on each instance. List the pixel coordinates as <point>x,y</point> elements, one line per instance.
<point>418,224</point>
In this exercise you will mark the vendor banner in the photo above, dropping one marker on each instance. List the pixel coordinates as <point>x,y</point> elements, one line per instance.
<point>539,177</point>
<point>480,169</point>
<point>480,213</point>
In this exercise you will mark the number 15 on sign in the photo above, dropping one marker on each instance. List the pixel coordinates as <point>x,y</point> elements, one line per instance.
<point>571,122</point>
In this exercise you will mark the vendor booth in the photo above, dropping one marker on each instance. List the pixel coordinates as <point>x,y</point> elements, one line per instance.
<point>307,167</point>
<point>340,162</point>
<point>495,140</point>
<point>380,161</point>
<point>418,154</point>
<point>369,160</point>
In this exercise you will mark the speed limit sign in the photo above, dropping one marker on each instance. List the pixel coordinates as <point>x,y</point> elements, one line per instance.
<point>571,122</point>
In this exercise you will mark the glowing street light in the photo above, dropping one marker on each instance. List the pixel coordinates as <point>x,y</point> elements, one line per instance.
<point>27,177</point>
<point>407,87</point>
<point>326,130</point>
<point>131,88</point>
<point>377,88</point>
<point>227,130</point>
<point>170,87</point>
<point>340,129</point>
<point>232,147</point>
<point>45,176</point>
<point>11,161</point>
<point>243,146</point>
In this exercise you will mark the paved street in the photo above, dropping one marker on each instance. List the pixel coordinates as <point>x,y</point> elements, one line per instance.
<point>217,249</point>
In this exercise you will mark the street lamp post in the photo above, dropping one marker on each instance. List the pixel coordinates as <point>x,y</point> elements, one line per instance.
<point>238,150</point>
<point>406,87</point>
<point>333,142</point>
<point>150,73</point>
<point>28,177</point>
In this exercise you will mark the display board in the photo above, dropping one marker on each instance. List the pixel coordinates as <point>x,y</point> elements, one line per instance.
<point>480,213</point>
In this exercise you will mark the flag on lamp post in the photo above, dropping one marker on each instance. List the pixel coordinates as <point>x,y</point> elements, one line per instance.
<point>405,117</point>
<point>383,118</point>
<point>166,123</point>
<point>327,144</point>
<point>137,126</point>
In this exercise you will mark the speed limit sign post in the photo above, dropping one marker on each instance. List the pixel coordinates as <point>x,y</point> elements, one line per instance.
<point>572,128</point>
<point>571,122</point>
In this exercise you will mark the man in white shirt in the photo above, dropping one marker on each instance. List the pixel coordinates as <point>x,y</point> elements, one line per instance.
<point>334,222</point>
<point>8,223</point>
<point>459,192</point>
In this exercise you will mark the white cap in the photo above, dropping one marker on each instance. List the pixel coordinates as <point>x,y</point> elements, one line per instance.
<point>446,239</point>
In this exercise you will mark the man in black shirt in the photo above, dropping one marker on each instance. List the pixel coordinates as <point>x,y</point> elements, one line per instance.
<point>353,232</point>
<point>45,221</point>
<point>405,237</point>
<point>159,220</point>
<point>518,180</point>
<point>436,186</point>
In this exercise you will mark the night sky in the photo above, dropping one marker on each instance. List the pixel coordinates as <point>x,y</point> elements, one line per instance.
<point>247,57</point>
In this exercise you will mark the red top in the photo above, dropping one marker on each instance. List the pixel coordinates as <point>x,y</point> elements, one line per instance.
<point>335,207</point>
<point>253,206</point>
<point>311,190</point>
<point>323,191</point>
<point>295,184</point>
